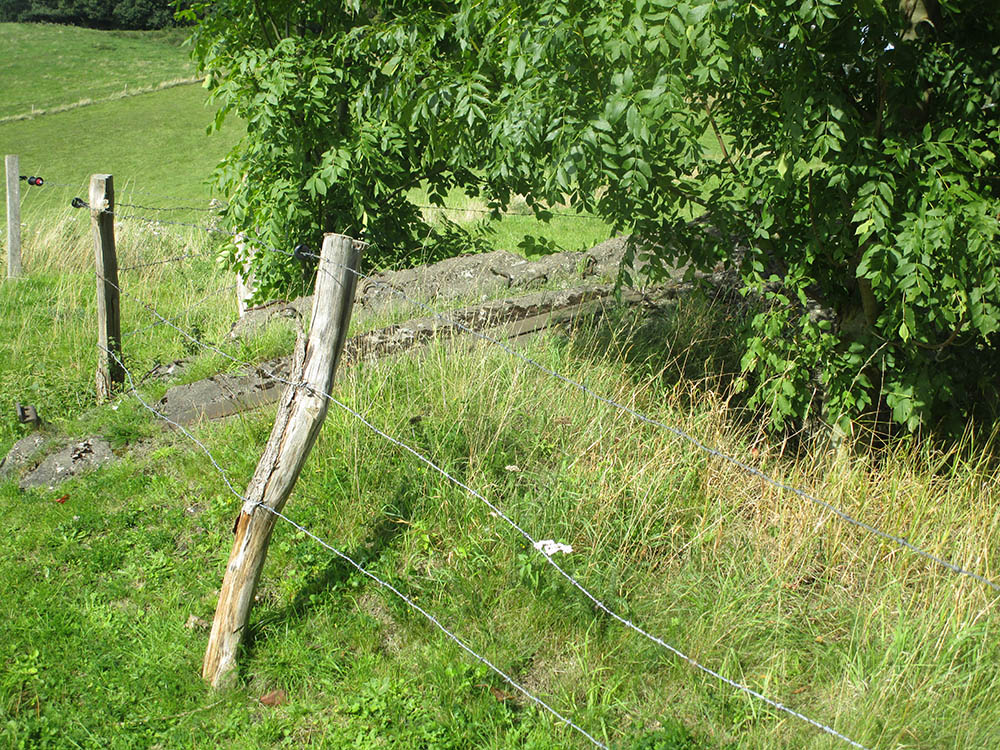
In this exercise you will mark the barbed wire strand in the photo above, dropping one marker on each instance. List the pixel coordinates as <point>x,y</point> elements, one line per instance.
<point>175,259</point>
<point>437,623</point>
<point>163,208</point>
<point>530,539</point>
<point>445,209</point>
<point>167,223</point>
<point>843,515</point>
<point>531,215</point>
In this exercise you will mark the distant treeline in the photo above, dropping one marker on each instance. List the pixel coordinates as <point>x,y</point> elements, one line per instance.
<point>97,14</point>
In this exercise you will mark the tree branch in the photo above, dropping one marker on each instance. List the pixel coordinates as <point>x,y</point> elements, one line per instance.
<point>264,20</point>
<point>718,137</point>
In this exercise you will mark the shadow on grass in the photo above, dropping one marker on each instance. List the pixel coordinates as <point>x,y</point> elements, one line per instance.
<point>694,336</point>
<point>381,533</point>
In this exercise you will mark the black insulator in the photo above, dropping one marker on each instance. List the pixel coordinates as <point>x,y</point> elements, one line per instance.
<point>36,181</point>
<point>301,252</point>
<point>27,414</point>
<point>78,203</point>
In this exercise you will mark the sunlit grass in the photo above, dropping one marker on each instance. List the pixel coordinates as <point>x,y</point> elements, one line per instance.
<point>43,64</point>
<point>765,587</point>
<point>154,145</point>
<point>517,231</point>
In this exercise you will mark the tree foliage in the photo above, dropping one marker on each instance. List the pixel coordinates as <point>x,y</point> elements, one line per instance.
<point>849,146</point>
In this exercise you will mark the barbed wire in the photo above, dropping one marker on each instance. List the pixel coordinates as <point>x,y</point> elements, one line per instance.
<point>843,515</point>
<point>357,566</point>
<point>80,203</point>
<point>424,206</point>
<point>168,223</point>
<point>531,214</point>
<point>175,259</point>
<point>499,513</point>
<point>453,209</point>
<point>120,204</point>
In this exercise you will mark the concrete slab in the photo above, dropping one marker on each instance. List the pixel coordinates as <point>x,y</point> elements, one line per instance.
<point>22,453</point>
<point>73,460</point>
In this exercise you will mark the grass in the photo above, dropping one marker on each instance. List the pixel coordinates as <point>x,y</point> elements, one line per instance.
<point>47,65</point>
<point>154,145</point>
<point>764,587</point>
<point>518,231</point>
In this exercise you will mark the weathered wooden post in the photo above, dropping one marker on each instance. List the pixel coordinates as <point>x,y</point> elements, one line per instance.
<point>300,415</point>
<point>110,373</point>
<point>13,165</point>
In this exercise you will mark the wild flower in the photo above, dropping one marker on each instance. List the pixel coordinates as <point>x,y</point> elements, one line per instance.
<point>550,547</point>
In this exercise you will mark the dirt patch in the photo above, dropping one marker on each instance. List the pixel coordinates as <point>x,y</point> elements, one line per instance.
<point>390,636</point>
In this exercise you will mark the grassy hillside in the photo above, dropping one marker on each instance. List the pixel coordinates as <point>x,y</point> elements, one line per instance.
<point>100,577</point>
<point>154,145</point>
<point>46,65</point>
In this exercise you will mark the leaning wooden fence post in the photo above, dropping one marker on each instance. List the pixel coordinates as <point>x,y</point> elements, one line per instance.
<point>110,372</point>
<point>13,216</point>
<point>300,415</point>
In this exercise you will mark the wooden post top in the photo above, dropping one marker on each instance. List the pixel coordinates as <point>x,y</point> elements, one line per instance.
<point>102,192</point>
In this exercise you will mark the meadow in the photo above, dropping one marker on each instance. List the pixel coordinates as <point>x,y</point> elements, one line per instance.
<point>100,577</point>
<point>47,66</point>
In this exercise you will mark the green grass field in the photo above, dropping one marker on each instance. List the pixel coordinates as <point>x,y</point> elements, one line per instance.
<point>100,576</point>
<point>46,65</point>
<point>154,145</point>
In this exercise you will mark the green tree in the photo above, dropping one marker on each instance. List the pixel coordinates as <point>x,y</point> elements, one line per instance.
<point>847,147</point>
<point>320,153</point>
<point>101,14</point>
